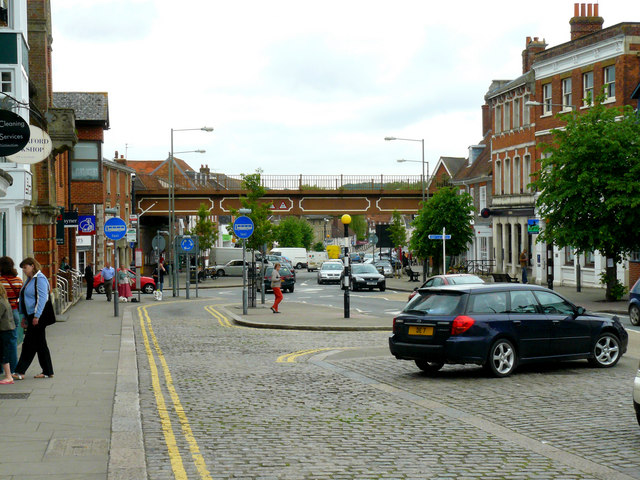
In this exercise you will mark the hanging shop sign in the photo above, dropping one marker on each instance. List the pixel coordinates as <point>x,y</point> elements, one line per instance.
<point>37,148</point>
<point>14,133</point>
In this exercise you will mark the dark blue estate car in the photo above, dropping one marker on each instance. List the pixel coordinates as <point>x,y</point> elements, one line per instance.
<point>634,304</point>
<point>501,326</point>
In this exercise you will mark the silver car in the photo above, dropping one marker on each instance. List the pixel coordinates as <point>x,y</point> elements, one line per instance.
<point>636,395</point>
<point>329,272</point>
<point>230,269</point>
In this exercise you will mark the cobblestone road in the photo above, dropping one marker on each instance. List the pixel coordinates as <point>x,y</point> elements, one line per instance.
<point>243,408</point>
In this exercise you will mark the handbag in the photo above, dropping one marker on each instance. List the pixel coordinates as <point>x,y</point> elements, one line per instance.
<point>48,316</point>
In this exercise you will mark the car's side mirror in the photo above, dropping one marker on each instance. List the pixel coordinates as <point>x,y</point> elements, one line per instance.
<point>580,311</point>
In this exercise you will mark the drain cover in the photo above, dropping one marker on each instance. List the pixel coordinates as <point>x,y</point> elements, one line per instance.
<point>7,396</point>
<point>77,447</point>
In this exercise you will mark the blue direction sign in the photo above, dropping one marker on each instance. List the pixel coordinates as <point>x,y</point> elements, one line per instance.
<point>115,228</point>
<point>243,227</point>
<point>187,244</point>
<point>439,237</point>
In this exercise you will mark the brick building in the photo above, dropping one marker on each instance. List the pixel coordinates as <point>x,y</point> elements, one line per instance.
<point>523,112</point>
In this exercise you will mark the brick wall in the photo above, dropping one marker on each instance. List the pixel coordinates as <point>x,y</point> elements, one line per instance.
<point>634,273</point>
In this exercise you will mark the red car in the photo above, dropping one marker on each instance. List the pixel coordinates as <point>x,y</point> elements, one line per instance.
<point>147,284</point>
<point>450,279</point>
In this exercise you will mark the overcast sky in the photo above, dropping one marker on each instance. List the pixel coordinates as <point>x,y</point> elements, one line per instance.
<point>299,87</point>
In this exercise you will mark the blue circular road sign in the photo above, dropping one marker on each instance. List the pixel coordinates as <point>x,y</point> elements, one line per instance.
<point>187,244</point>
<point>115,228</point>
<point>243,227</point>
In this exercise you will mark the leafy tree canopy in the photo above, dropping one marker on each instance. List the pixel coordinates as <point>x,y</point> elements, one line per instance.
<point>294,232</point>
<point>445,209</point>
<point>260,211</point>
<point>589,182</point>
<point>397,230</point>
<point>359,226</point>
<point>205,229</point>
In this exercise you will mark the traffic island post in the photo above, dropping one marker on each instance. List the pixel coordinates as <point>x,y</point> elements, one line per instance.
<point>346,220</point>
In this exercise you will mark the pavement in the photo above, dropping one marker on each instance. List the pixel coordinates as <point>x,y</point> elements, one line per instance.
<point>84,423</point>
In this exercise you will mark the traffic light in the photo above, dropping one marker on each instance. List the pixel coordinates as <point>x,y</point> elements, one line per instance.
<point>485,213</point>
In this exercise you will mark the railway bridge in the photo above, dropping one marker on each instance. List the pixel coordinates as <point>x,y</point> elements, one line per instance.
<point>300,195</point>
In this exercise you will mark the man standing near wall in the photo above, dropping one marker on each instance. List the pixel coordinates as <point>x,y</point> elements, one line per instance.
<point>107,276</point>
<point>524,260</point>
<point>88,277</point>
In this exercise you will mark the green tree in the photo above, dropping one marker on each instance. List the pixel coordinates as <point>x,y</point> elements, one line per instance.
<point>359,226</point>
<point>294,232</point>
<point>445,209</point>
<point>318,247</point>
<point>589,185</point>
<point>260,211</point>
<point>205,229</point>
<point>397,231</point>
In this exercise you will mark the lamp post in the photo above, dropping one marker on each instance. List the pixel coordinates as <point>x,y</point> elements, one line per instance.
<point>533,103</point>
<point>388,139</point>
<point>346,220</point>
<point>402,160</point>
<point>172,199</point>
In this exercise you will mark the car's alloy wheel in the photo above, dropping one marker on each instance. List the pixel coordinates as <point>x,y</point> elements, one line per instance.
<point>148,288</point>
<point>429,367</point>
<point>100,288</point>
<point>606,351</point>
<point>634,315</point>
<point>220,273</point>
<point>502,359</point>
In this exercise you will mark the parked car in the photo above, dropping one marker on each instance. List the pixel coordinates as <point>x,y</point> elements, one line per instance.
<point>634,304</point>
<point>147,284</point>
<point>231,269</point>
<point>500,326</point>
<point>449,279</point>
<point>330,272</point>
<point>286,275</point>
<point>636,395</point>
<point>384,267</point>
<point>364,275</point>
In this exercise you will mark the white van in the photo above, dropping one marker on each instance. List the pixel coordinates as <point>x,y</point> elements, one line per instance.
<point>298,256</point>
<point>315,260</point>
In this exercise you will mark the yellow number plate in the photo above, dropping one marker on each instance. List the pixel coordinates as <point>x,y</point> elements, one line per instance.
<point>421,331</point>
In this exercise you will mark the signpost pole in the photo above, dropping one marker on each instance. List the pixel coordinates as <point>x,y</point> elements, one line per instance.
<point>444,251</point>
<point>188,269</point>
<point>116,297</point>
<point>244,277</point>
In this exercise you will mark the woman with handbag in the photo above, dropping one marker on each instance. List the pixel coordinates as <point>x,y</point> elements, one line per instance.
<point>34,297</point>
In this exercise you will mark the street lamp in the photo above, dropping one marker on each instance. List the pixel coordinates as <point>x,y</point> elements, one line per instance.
<point>402,160</point>
<point>388,139</point>
<point>533,103</point>
<point>346,220</point>
<point>172,200</point>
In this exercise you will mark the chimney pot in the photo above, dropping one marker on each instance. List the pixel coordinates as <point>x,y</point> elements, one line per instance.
<point>576,9</point>
<point>583,10</point>
<point>595,10</point>
<point>589,11</point>
<point>528,41</point>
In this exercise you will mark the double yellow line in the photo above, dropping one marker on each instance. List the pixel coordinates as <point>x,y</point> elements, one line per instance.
<point>164,412</point>
<point>291,357</point>
<point>222,320</point>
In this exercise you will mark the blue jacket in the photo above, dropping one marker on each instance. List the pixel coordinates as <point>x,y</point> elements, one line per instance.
<point>27,305</point>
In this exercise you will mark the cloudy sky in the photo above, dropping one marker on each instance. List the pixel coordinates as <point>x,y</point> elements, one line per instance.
<point>295,87</point>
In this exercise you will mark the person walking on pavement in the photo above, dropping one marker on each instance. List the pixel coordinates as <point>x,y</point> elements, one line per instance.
<point>524,260</point>
<point>276,281</point>
<point>33,298</point>
<point>158,275</point>
<point>107,276</point>
<point>88,277</point>
<point>12,285</point>
<point>7,326</point>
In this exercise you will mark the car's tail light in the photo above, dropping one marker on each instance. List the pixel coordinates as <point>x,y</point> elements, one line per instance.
<point>461,324</point>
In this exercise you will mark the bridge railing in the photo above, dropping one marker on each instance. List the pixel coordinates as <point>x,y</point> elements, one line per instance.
<point>327,182</point>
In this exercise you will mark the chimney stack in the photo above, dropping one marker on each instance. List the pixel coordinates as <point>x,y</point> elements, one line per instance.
<point>586,20</point>
<point>531,49</point>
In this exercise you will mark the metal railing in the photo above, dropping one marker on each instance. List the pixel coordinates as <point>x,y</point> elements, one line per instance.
<point>312,182</point>
<point>76,278</point>
<point>63,294</point>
